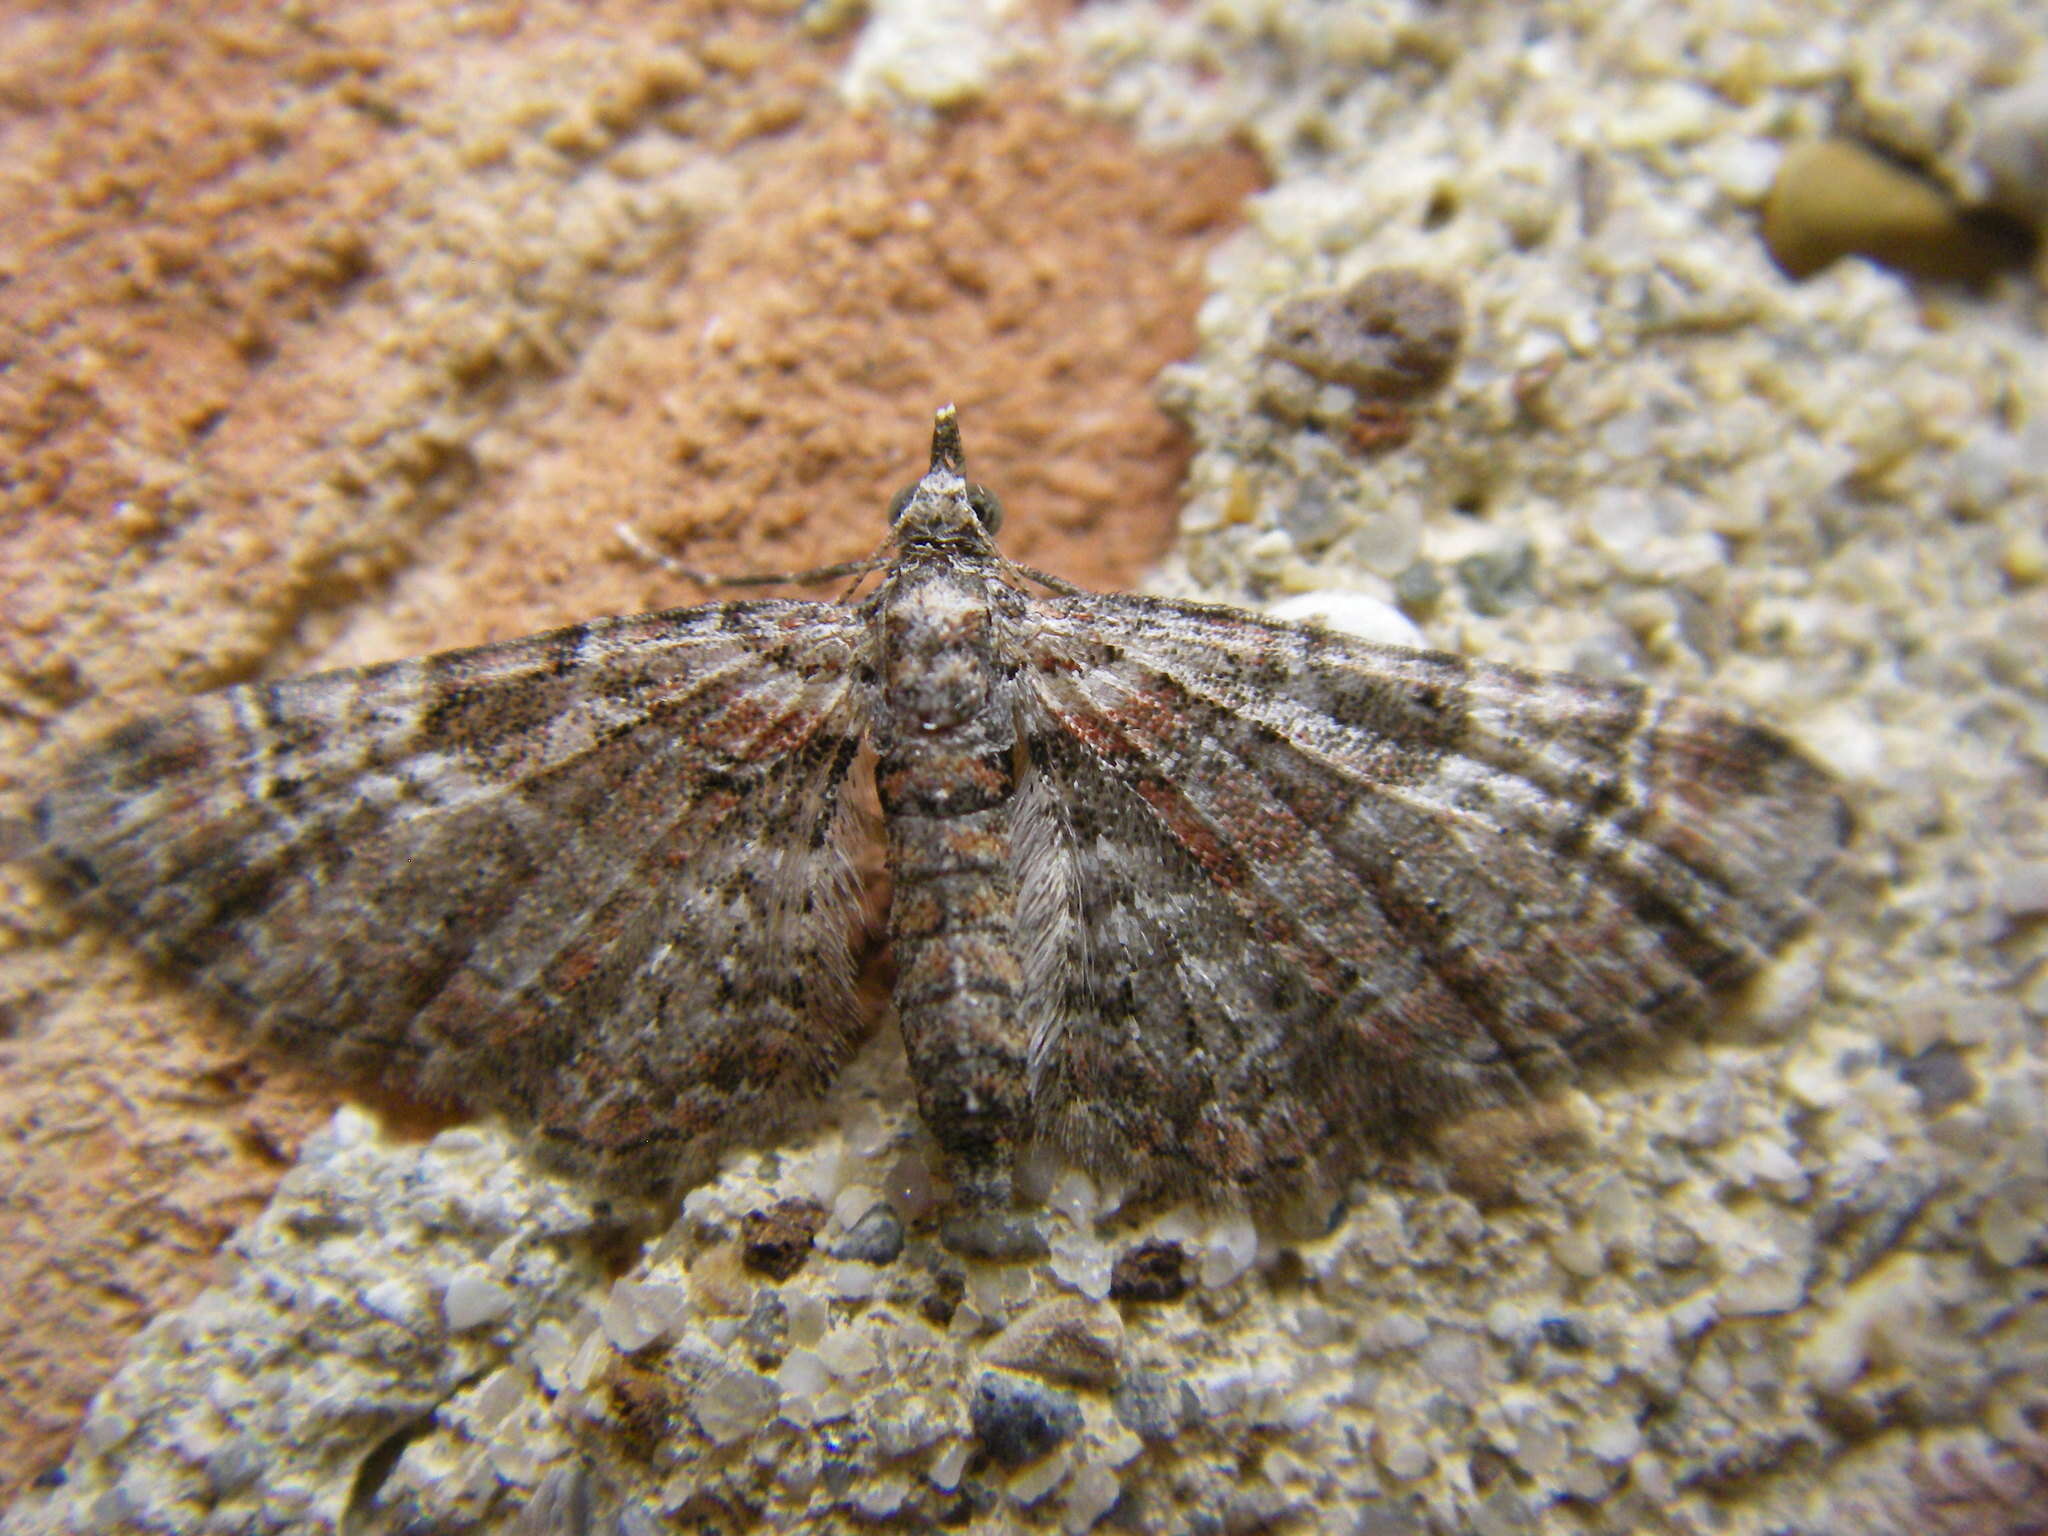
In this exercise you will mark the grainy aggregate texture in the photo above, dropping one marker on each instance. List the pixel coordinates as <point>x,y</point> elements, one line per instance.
<point>1788,1281</point>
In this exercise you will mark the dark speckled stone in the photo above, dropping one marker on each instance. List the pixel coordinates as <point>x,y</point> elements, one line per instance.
<point>1018,1420</point>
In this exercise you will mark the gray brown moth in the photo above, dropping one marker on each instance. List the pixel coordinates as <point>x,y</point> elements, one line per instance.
<point>1210,903</point>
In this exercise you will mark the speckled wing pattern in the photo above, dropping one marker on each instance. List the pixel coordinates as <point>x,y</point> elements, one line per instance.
<point>1210,903</point>
<point>1297,893</point>
<point>596,880</point>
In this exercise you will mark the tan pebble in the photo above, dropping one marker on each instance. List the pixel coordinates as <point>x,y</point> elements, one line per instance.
<point>2010,1223</point>
<point>718,1284</point>
<point>2012,148</point>
<point>1401,1454</point>
<point>1241,505</point>
<point>733,1403</point>
<point>2024,559</point>
<point>1578,1253</point>
<point>1395,334</point>
<point>1834,198</point>
<point>1068,1340</point>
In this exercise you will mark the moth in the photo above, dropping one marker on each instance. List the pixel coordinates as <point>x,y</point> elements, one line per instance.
<point>1207,903</point>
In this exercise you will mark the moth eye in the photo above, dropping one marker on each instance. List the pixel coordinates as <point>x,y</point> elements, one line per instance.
<point>985,507</point>
<point>899,501</point>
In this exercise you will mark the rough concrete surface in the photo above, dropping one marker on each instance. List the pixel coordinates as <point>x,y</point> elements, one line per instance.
<point>340,337</point>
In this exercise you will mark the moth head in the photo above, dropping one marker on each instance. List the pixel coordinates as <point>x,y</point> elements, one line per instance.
<point>979,499</point>
<point>945,502</point>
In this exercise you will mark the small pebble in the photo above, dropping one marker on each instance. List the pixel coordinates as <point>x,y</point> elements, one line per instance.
<point>1420,587</point>
<point>905,1424</point>
<point>938,1305</point>
<point>1498,579</point>
<point>881,1498</point>
<point>993,1235</point>
<point>561,1502</point>
<point>1578,1252</point>
<point>1081,1261</point>
<point>2023,558</point>
<point>1035,1481</point>
<point>1834,198</point>
<point>1565,1333</point>
<point>775,1242</point>
<point>945,1472</point>
<point>1395,334</point>
<point>1074,1196</point>
<point>2012,148</point>
<point>720,1284</point>
<point>1769,1283</point>
<point>1228,1250</point>
<point>474,1298</point>
<point>1313,517</point>
<point>1400,1453</point>
<point>1942,1077</point>
<point>1066,1340</point>
<point>848,1279</point>
<point>996,1290</point>
<point>1391,1332</point>
<point>1018,1420</point>
<point>1154,1406</point>
<point>1154,1270</point>
<point>398,1300</point>
<point>634,1314</point>
<point>734,1403</point>
<point>1613,1439</point>
<point>1092,1495</point>
<point>848,1352</point>
<point>2012,1226</point>
<point>765,1332</point>
<point>877,1238</point>
<point>803,1373</point>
